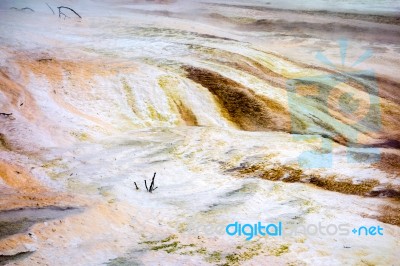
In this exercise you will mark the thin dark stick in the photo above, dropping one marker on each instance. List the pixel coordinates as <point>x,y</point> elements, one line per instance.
<point>5,114</point>
<point>137,188</point>
<point>25,8</point>
<point>59,11</point>
<point>146,185</point>
<point>50,8</point>
<point>152,182</point>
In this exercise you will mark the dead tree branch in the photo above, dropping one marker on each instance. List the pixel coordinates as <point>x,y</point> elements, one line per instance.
<point>22,9</point>
<point>152,184</point>
<point>51,9</point>
<point>5,114</point>
<point>152,188</point>
<point>137,188</point>
<point>65,7</point>
<point>27,8</point>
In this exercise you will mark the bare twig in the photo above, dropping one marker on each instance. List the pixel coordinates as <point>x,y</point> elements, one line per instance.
<point>50,8</point>
<point>152,184</point>
<point>44,59</point>
<point>137,188</point>
<point>27,8</point>
<point>151,188</point>
<point>8,115</point>
<point>5,114</point>
<point>61,13</point>
<point>22,9</point>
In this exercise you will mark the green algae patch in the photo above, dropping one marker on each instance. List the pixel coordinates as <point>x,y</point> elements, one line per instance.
<point>237,257</point>
<point>214,257</point>
<point>171,237</point>
<point>182,227</point>
<point>168,247</point>
<point>77,186</point>
<point>201,251</point>
<point>282,249</point>
<point>155,115</point>
<point>171,244</point>
<point>105,191</point>
<point>123,261</point>
<point>130,97</point>
<point>149,242</point>
<point>54,163</point>
<point>55,168</point>
<point>169,85</point>
<point>82,136</point>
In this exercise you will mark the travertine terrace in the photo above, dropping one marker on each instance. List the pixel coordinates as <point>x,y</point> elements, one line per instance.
<point>200,93</point>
